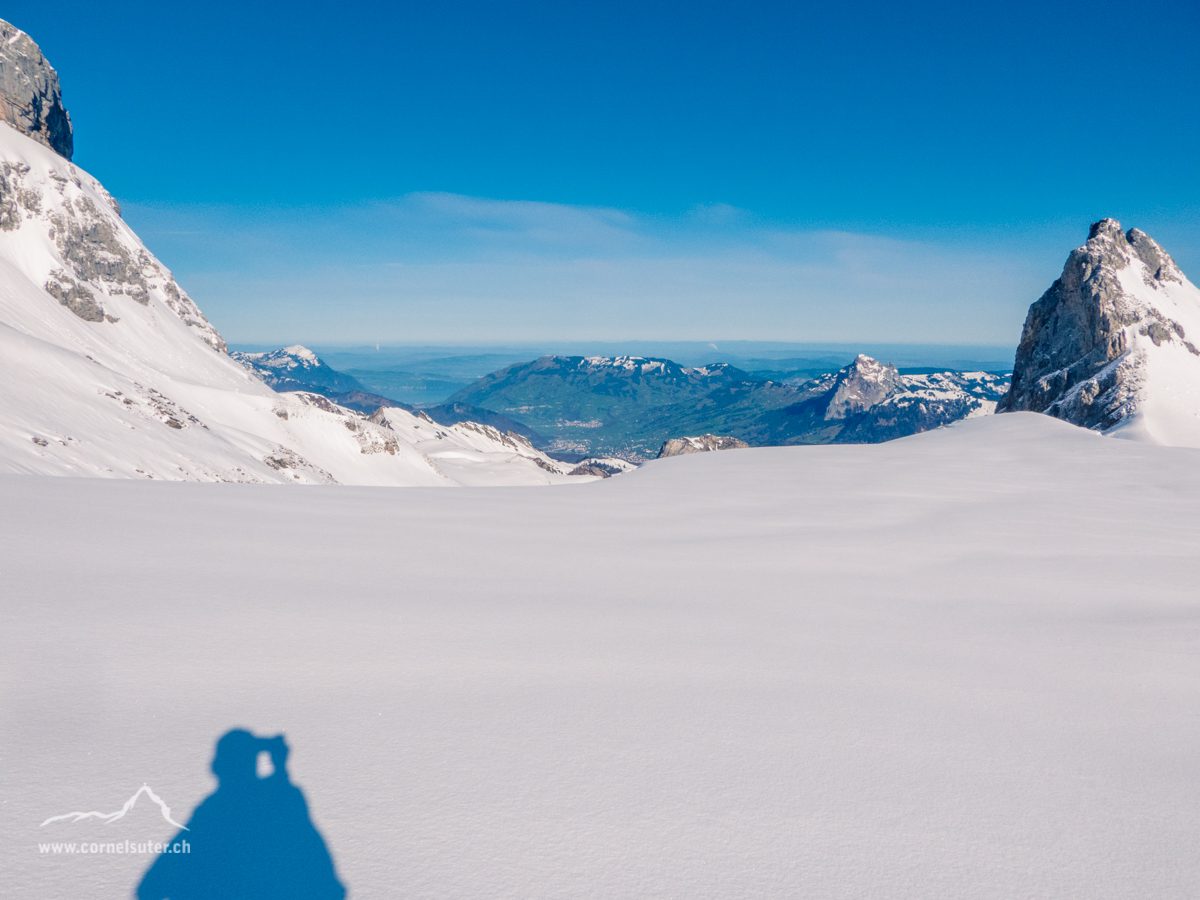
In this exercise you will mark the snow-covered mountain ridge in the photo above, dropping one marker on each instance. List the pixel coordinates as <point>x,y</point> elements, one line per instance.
<point>111,370</point>
<point>1112,345</point>
<point>296,368</point>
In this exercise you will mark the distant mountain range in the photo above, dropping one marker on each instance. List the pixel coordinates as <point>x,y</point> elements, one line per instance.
<point>627,407</point>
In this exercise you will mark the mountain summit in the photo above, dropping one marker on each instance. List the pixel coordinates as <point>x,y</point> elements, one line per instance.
<point>1112,345</point>
<point>30,98</point>
<point>862,384</point>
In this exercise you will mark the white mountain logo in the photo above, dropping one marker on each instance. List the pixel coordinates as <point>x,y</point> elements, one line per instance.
<point>109,818</point>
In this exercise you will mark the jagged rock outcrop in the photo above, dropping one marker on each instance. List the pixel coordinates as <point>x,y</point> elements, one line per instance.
<point>861,385</point>
<point>1113,337</point>
<point>30,97</point>
<point>702,444</point>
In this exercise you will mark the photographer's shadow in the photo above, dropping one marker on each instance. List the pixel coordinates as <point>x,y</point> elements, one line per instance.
<point>251,838</point>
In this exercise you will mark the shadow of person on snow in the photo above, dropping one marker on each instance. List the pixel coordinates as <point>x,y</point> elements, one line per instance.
<point>250,838</point>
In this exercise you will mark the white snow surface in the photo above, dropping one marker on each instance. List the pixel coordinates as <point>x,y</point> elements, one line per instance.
<point>960,665</point>
<point>150,392</point>
<point>1168,404</point>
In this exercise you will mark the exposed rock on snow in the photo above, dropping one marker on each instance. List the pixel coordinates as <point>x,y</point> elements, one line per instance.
<point>30,98</point>
<point>701,444</point>
<point>602,466</point>
<point>1112,344</point>
<point>68,237</point>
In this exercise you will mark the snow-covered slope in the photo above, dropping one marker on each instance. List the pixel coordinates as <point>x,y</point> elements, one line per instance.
<point>1113,344</point>
<point>110,369</point>
<point>958,666</point>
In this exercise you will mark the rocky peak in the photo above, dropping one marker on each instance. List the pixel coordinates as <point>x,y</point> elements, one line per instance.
<point>1083,351</point>
<point>30,97</point>
<point>1159,264</point>
<point>1109,246</point>
<point>861,385</point>
<point>1106,228</point>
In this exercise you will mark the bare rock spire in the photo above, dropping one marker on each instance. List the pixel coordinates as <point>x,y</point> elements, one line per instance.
<point>1117,328</point>
<point>30,97</point>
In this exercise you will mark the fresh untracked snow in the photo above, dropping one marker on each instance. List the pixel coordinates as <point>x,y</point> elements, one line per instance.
<point>960,665</point>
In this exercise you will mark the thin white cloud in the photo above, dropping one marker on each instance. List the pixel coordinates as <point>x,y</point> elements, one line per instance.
<point>442,267</point>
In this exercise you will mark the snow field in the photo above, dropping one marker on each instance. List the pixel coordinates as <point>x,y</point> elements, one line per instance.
<point>959,665</point>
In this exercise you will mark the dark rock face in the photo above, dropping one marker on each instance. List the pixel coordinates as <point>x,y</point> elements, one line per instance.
<point>1074,361</point>
<point>30,97</point>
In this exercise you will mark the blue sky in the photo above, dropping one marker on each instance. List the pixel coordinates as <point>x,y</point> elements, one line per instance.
<point>469,171</point>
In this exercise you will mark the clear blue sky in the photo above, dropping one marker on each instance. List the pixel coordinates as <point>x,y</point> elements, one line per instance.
<point>716,130</point>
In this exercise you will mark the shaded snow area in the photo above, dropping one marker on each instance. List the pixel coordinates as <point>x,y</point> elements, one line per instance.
<point>960,665</point>
<point>1168,366</point>
<point>110,369</point>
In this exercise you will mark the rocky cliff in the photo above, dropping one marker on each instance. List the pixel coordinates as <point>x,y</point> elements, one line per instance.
<point>1112,344</point>
<point>30,98</point>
